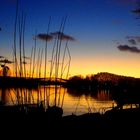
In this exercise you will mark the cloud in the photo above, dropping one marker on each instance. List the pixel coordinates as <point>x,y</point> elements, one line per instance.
<point>62,36</point>
<point>132,41</point>
<point>6,61</point>
<point>128,48</point>
<point>1,56</point>
<point>136,38</point>
<point>44,37</point>
<point>49,37</point>
<point>136,11</point>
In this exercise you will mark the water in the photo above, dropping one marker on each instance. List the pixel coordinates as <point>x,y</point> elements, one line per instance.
<point>71,101</point>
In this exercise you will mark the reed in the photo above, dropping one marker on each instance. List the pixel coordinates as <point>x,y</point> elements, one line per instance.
<point>34,55</point>
<point>15,37</point>
<point>46,54</point>
<point>23,38</point>
<point>58,66</point>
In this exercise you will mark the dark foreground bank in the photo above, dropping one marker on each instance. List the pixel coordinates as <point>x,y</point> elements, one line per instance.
<point>114,123</point>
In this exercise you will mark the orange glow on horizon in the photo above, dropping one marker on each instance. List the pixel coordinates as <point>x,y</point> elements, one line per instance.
<point>125,64</point>
<point>116,66</point>
<point>87,68</point>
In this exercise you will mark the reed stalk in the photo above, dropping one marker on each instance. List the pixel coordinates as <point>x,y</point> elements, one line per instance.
<point>31,57</point>
<point>46,55</point>
<point>63,69</point>
<point>23,45</point>
<point>20,44</point>
<point>57,59</point>
<point>15,37</point>
<point>38,62</point>
<point>34,55</point>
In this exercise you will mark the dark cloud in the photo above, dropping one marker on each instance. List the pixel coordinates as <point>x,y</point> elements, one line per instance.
<point>0,29</point>
<point>132,41</point>
<point>1,56</point>
<point>44,36</point>
<point>128,48</point>
<point>63,36</point>
<point>6,61</point>
<point>136,11</point>
<point>136,38</point>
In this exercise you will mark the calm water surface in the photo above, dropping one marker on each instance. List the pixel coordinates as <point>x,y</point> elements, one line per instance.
<point>71,101</point>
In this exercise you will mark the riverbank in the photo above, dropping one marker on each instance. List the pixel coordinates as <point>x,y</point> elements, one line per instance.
<point>114,122</point>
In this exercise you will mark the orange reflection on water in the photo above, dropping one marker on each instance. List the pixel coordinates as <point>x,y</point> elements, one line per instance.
<point>69,101</point>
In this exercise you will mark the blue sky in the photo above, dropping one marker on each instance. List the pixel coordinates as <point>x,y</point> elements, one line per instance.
<point>97,25</point>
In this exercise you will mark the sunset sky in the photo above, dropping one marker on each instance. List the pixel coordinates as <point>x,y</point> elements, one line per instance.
<point>106,32</point>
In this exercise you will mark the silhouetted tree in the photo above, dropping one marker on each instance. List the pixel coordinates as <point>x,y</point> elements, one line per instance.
<point>5,70</point>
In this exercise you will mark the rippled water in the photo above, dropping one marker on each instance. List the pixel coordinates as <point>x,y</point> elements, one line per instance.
<point>71,101</point>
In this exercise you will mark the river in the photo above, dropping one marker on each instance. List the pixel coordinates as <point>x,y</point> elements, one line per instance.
<point>71,101</point>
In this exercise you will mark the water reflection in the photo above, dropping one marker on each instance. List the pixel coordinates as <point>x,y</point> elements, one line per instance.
<point>72,101</point>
